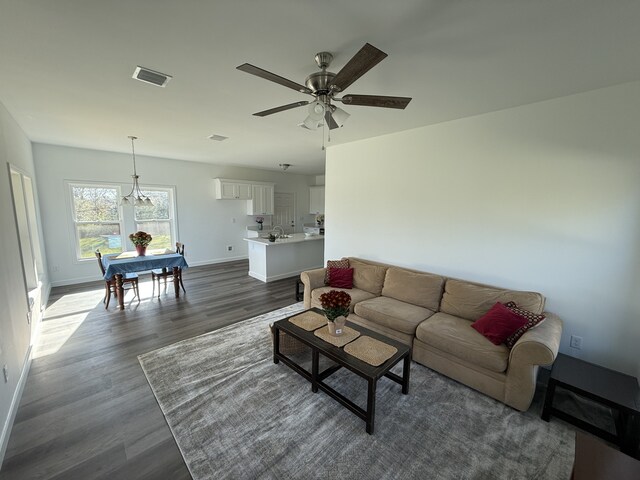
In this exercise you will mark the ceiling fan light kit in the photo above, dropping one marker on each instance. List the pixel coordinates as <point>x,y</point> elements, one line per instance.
<point>339,115</point>
<point>324,85</point>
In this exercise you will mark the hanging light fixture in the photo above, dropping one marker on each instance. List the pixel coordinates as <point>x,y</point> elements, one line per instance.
<point>135,196</point>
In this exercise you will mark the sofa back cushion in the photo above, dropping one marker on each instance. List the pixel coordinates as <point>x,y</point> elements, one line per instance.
<point>368,277</point>
<point>471,300</point>
<point>421,289</point>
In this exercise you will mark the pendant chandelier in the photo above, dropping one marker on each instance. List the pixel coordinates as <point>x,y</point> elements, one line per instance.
<point>135,196</point>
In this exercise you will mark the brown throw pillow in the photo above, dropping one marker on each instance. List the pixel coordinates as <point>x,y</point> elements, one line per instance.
<point>533,320</point>
<point>344,263</point>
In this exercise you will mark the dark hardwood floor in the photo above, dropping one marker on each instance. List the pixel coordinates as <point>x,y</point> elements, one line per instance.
<point>87,411</point>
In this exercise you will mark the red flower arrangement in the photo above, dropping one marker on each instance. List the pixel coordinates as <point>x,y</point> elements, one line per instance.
<point>140,239</point>
<point>335,303</point>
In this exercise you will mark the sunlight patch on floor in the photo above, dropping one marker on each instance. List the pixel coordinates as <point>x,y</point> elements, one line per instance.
<point>64,316</point>
<point>56,332</point>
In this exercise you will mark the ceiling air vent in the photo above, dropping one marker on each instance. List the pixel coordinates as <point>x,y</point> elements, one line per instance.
<point>217,138</point>
<point>149,76</point>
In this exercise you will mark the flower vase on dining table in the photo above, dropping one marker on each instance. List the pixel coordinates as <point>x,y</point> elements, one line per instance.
<point>140,240</point>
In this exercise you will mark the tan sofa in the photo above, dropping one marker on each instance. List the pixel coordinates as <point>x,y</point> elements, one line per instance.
<point>434,314</point>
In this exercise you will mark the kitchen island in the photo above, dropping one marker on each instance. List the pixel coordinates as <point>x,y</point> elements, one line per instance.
<point>286,257</point>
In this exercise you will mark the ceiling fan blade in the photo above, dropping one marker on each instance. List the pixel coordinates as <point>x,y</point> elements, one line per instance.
<point>376,101</point>
<point>281,108</point>
<point>363,61</point>
<point>259,72</point>
<point>330,121</point>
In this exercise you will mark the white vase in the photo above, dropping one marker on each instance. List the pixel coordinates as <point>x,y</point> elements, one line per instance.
<point>336,327</point>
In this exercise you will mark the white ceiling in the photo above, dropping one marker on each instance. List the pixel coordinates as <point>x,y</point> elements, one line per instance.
<point>66,66</point>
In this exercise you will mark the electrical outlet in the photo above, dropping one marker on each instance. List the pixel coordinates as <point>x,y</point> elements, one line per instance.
<point>229,248</point>
<point>576,342</point>
<point>5,370</point>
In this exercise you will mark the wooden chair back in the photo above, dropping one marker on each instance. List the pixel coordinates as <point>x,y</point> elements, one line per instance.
<point>99,256</point>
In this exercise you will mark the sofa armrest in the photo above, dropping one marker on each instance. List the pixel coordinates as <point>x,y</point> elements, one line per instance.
<point>538,346</point>
<point>311,280</point>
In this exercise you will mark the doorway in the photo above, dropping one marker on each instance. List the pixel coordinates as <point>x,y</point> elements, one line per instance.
<point>284,212</point>
<point>24,208</point>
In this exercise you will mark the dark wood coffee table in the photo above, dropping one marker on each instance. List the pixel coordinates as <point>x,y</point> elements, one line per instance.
<point>608,387</point>
<point>597,461</point>
<point>342,359</point>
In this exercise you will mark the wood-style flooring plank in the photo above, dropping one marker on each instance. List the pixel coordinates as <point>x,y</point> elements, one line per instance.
<point>87,410</point>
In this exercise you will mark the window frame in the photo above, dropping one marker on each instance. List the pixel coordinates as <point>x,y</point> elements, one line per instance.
<point>173,223</point>
<point>75,222</point>
<point>127,220</point>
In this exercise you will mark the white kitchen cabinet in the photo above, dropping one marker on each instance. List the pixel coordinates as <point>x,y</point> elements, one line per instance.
<point>316,199</point>
<point>232,189</point>
<point>261,202</point>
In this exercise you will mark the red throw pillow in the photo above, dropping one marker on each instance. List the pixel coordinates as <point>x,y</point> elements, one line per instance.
<point>533,320</point>
<point>498,323</point>
<point>341,277</point>
<point>344,263</point>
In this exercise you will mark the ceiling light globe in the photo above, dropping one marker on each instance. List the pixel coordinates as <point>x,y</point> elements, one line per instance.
<point>316,111</point>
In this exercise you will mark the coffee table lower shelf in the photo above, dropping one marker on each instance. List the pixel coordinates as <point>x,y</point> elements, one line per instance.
<point>342,359</point>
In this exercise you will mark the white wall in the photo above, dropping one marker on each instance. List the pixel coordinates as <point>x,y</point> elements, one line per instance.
<point>15,332</point>
<point>543,197</point>
<point>205,225</point>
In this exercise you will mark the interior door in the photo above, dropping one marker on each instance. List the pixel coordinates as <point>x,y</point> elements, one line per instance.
<point>284,212</point>
<point>28,239</point>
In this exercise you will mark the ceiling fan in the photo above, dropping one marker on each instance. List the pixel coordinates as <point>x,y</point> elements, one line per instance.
<point>325,85</point>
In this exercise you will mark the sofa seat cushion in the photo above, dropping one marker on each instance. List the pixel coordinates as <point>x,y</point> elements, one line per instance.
<point>356,294</point>
<point>392,313</point>
<point>422,289</point>
<point>472,300</point>
<point>455,336</point>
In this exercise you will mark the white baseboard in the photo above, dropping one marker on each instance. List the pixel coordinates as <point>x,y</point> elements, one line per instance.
<point>93,278</point>
<point>13,409</point>
<point>218,260</point>
<point>17,395</point>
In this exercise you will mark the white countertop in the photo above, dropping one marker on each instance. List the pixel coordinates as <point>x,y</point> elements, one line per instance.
<point>295,238</point>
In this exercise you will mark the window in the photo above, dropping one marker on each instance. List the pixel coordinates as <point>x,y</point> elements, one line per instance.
<point>158,219</point>
<point>96,217</point>
<point>99,222</point>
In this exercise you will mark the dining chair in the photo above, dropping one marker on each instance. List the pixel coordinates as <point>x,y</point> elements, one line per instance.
<point>163,273</point>
<point>130,279</point>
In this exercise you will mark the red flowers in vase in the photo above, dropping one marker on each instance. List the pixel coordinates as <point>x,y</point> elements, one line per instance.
<point>335,303</point>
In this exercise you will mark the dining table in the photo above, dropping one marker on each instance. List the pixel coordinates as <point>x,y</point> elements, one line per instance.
<point>115,266</point>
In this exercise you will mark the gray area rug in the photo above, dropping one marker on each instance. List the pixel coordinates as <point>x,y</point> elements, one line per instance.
<point>235,414</point>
